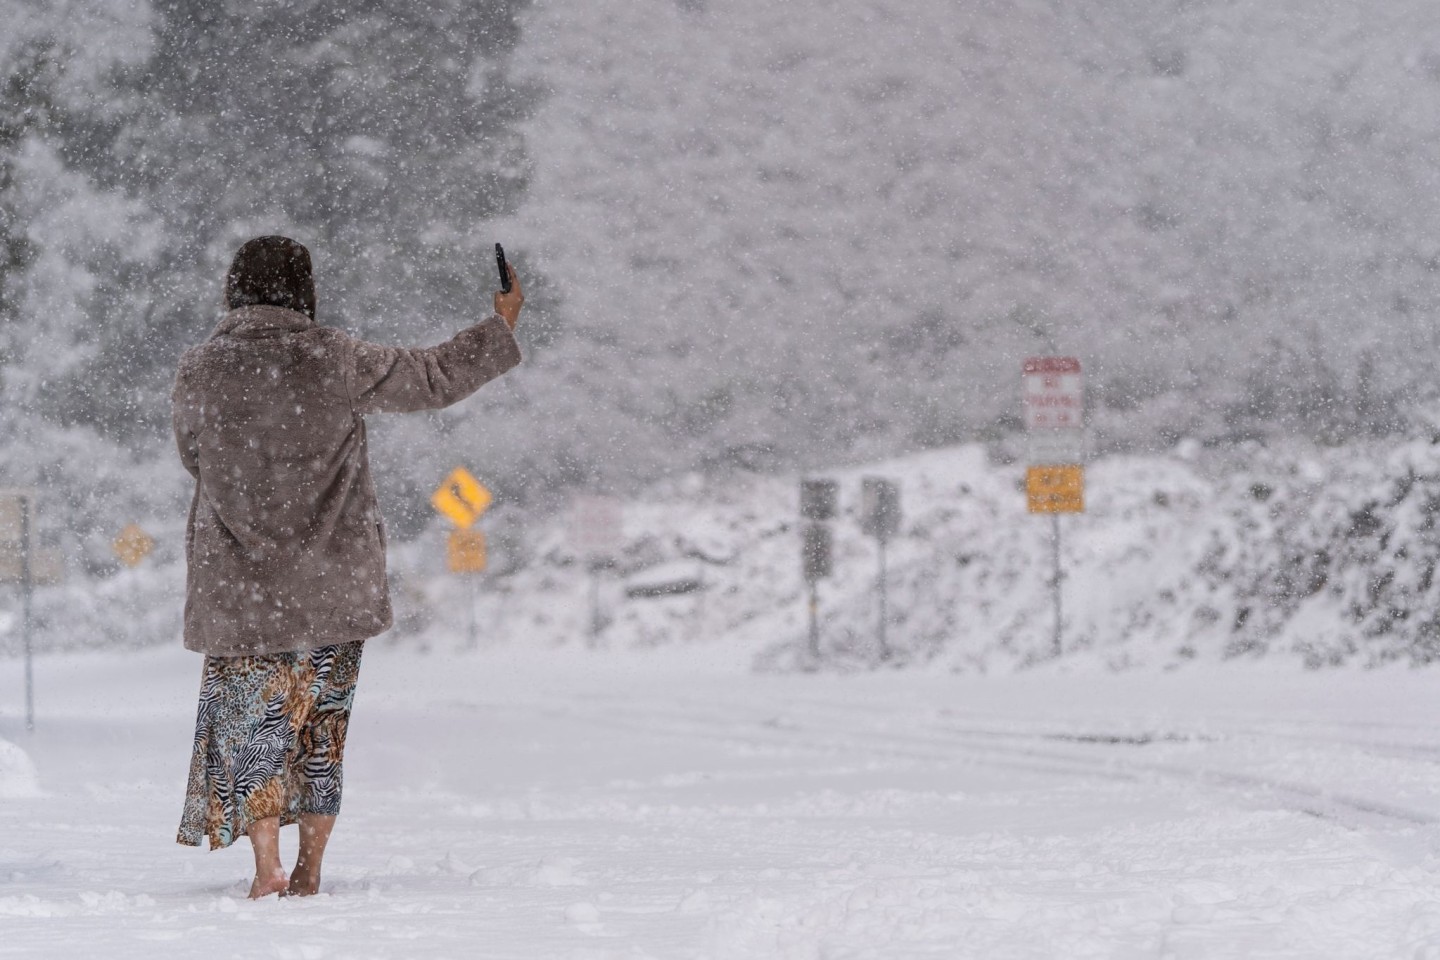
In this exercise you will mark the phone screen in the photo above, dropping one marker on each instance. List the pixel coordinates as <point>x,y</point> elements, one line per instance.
<point>504,273</point>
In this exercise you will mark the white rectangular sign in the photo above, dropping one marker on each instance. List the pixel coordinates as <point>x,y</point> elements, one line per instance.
<point>597,526</point>
<point>1054,394</point>
<point>1054,447</point>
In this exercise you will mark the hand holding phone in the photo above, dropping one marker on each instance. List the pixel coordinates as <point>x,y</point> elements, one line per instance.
<point>509,298</point>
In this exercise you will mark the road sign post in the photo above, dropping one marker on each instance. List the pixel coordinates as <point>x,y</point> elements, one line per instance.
<point>17,539</point>
<point>818,503</point>
<point>817,554</point>
<point>466,555</point>
<point>597,529</point>
<point>1054,399</point>
<point>27,588</point>
<point>462,500</point>
<point>880,518</point>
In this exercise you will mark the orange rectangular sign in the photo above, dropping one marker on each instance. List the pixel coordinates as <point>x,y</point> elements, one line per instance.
<point>467,551</point>
<point>1055,489</point>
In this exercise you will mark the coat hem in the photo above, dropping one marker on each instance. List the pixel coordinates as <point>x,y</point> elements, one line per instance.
<point>293,646</point>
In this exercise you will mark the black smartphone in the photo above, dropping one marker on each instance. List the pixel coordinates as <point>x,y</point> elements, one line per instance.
<point>504,269</point>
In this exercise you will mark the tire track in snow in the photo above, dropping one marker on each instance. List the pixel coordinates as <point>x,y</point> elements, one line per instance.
<point>1004,749</point>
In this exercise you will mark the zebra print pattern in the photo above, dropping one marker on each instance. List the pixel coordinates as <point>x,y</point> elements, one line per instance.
<point>269,740</point>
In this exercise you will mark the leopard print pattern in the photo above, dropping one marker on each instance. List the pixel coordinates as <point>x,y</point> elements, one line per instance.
<point>269,740</point>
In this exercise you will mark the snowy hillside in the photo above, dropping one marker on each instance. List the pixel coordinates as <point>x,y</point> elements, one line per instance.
<point>1310,555</point>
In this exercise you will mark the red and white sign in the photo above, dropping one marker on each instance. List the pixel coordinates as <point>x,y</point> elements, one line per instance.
<point>1054,394</point>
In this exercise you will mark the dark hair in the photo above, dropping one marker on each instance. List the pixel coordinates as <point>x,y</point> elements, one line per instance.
<point>274,271</point>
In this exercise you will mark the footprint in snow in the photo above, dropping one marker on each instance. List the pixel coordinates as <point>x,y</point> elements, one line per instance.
<point>586,918</point>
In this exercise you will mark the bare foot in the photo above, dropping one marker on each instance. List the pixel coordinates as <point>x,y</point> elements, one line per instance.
<point>277,882</point>
<point>302,884</point>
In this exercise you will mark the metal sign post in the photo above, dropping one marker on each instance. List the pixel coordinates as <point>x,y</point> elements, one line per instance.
<point>17,549</point>
<point>818,500</point>
<point>463,500</point>
<point>27,591</point>
<point>466,555</point>
<point>1055,481</point>
<point>28,565</point>
<point>818,558</point>
<point>880,518</point>
<point>1057,590</point>
<point>597,529</point>
<point>597,622</point>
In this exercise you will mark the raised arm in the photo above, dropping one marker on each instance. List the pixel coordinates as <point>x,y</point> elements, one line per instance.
<point>400,380</point>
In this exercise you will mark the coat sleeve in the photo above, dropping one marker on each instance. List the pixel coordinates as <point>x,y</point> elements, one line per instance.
<point>400,380</point>
<point>181,408</point>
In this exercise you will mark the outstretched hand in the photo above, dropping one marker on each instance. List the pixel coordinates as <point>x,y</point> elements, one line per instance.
<point>508,304</point>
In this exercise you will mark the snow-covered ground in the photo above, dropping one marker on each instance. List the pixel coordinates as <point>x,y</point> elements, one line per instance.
<point>674,805</point>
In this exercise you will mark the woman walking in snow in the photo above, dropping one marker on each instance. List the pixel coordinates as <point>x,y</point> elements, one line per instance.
<point>285,547</point>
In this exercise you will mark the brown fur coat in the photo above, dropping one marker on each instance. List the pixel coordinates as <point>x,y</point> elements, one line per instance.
<point>285,547</point>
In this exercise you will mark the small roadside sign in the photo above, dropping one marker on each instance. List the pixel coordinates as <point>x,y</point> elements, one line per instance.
<point>596,529</point>
<point>22,559</point>
<point>466,552</point>
<point>1055,489</point>
<point>597,526</point>
<point>461,498</point>
<point>880,518</point>
<point>14,522</point>
<point>1054,394</point>
<point>46,567</point>
<point>1054,399</point>
<point>1054,446</point>
<point>133,545</point>
<point>879,507</point>
<point>818,499</point>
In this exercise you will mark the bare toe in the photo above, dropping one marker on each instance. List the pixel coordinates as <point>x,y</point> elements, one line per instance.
<point>301,886</point>
<point>277,882</point>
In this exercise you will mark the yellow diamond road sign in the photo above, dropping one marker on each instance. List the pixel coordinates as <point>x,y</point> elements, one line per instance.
<point>133,545</point>
<point>461,498</point>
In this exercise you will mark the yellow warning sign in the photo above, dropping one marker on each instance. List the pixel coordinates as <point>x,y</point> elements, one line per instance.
<point>1055,489</point>
<point>467,551</point>
<point>132,545</point>
<point>461,498</point>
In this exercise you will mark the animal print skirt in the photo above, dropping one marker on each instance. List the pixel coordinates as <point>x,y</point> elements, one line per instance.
<point>269,740</point>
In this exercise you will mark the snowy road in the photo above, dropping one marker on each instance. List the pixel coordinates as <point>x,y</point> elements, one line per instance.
<point>580,806</point>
